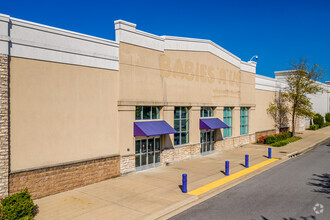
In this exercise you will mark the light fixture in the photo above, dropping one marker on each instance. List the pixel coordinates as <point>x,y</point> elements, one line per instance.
<point>255,56</point>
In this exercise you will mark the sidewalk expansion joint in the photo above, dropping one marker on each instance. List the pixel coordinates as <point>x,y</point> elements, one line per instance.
<point>217,183</point>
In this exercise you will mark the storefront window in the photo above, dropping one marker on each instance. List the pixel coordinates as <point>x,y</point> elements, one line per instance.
<point>207,111</point>
<point>147,152</point>
<point>147,112</point>
<point>228,120</point>
<point>244,121</point>
<point>181,125</point>
<point>207,142</point>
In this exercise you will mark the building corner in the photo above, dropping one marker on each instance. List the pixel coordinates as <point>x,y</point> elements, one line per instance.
<point>4,125</point>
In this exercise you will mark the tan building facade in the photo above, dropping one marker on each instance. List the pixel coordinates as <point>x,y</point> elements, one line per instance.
<point>77,109</point>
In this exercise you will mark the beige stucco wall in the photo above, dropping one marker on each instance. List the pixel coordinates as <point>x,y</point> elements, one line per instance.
<point>247,89</point>
<point>61,113</point>
<point>263,120</point>
<point>179,78</point>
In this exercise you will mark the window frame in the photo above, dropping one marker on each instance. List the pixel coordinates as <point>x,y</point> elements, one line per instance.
<point>228,132</point>
<point>210,112</point>
<point>143,108</point>
<point>244,117</point>
<point>210,142</point>
<point>187,125</point>
<point>156,157</point>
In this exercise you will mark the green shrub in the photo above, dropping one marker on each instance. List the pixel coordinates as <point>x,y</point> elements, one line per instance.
<point>327,124</point>
<point>279,144</point>
<point>314,127</point>
<point>318,120</point>
<point>327,117</point>
<point>17,206</point>
<point>285,142</point>
<point>270,139</point>
<point>282,136</point>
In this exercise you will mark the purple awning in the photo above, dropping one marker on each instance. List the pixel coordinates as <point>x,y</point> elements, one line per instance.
<point>211,124</point>
<point>153,128</point>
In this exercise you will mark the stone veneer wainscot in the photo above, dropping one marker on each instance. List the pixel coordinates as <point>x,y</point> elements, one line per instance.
<point>51,180</point>
<point>127,164</point>
<point>4,125</point>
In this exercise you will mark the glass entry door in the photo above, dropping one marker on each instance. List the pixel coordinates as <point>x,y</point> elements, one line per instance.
<point>147,153</point>
<point>207,142</point>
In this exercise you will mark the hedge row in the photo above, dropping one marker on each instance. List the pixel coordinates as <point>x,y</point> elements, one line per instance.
<point>316,126</point>
<point>327,117</point>
<point>277,137</point>
<point>318,120</point>
<point>285,142</point>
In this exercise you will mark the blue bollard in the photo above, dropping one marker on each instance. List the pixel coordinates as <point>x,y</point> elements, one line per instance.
<point>269,153</point>
<point>184,183</point>
<point>227,168</point>
<point>246,161</point>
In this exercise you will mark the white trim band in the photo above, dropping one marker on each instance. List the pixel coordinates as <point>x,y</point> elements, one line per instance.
<point>35,41</point>
<point>126,32</point>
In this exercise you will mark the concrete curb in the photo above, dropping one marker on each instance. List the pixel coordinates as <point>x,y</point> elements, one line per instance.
<point>306,149</point>
<point>194,199</point>
<point>205,196</point>
<point>171,208</point>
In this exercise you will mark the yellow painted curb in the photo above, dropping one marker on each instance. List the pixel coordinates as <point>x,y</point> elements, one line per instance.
<point>227,179</point>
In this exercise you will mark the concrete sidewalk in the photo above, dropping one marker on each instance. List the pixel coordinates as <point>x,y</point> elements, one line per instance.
<point>152,193</point>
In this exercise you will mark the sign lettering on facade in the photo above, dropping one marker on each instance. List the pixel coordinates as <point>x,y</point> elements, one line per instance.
<point>227,79</point>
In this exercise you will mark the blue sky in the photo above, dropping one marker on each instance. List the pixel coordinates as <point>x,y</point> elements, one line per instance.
<point>277,31</point>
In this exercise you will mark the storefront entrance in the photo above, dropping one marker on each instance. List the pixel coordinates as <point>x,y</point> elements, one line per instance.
<point>207,142</point>
<point>147,153</point>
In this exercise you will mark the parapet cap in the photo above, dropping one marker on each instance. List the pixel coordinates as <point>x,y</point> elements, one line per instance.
<point>283,72</point>
<point>4,17</point>
<point>120,24</point>
<point>126,32</point>
<point>253,63</point>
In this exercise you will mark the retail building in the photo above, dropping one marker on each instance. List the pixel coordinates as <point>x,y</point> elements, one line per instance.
<point>77,109</point>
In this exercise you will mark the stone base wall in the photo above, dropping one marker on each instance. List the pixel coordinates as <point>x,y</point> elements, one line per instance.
<point>300,124</point>
<point>190,151</point>
<point>252,138</point>
<point>262,133</point>
<point>4,125</point>
<point>179,153</point>
<point>230,143</point>
<point>47,181</point>
<point>127,164</point>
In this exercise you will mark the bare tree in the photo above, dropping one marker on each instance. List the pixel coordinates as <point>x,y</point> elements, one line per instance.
<point>279,110</point>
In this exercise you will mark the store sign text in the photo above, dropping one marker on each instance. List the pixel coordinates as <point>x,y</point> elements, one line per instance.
<point>195,71</point>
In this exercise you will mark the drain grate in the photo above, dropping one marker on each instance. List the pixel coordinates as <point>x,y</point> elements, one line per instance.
<point>294,154</point>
